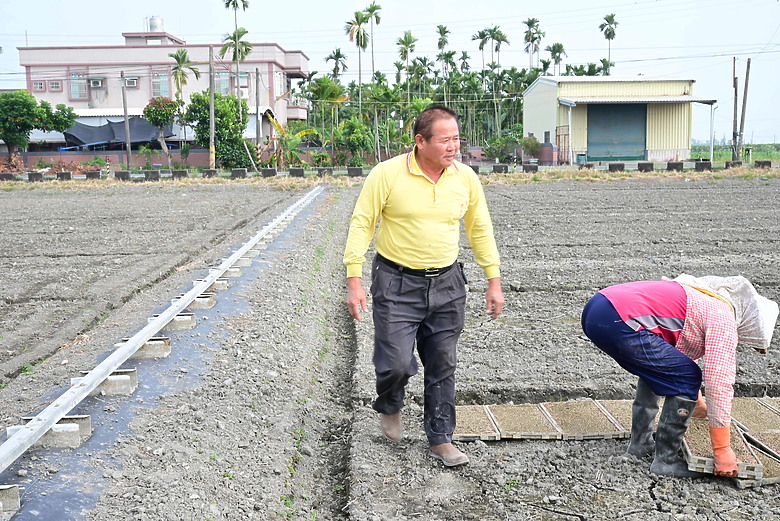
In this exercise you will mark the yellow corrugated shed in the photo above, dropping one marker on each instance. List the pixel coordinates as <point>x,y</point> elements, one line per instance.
<point>661,132</point>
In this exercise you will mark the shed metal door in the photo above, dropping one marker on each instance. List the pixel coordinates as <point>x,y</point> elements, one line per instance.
<point>617,132</point>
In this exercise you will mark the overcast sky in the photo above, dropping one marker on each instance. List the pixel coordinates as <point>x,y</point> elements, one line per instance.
<point>685,39</point>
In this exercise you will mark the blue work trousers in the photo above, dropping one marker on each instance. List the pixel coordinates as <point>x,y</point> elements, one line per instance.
<point>409,309</point>
<point>662,366</point>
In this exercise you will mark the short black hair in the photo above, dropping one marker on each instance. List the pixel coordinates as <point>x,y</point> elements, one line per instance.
<point>424,123</point>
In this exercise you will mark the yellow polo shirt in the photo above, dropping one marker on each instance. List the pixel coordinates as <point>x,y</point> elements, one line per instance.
<point>419,220</point>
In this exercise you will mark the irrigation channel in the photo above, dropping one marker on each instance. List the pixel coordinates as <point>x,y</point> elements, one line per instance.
<point>56,428</point>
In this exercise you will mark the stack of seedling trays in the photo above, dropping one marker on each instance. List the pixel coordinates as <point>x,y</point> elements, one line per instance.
<point>573,420</point>
<point>755,430</point>
<point>755,439</point>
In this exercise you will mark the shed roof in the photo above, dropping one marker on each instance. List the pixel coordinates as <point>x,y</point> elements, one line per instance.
<point>638,99</point>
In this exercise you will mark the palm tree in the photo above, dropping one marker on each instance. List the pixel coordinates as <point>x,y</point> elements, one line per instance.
<point>464,61</point>
<point>405,49</point>
<point>180,70</point>
<point>483,36</point>
<point>239,50</point>
<point>180,73</point>
<point>339,60</point>
<point>532,38</point>
<point>556,54</point>
<point>356,31</point>
<point>236,46</point>
<point>605,66</point>
<point>498,37</point>
<point>373,16</point>
<point>608,28</point>
<point>234,5</point>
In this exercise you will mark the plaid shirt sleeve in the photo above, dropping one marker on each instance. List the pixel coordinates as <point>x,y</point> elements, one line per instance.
<point>710,332</point>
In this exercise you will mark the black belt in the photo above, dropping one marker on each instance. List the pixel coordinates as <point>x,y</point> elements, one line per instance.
<point>427,272</point>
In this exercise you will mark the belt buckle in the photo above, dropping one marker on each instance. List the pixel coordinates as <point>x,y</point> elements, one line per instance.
<point>431,273</point>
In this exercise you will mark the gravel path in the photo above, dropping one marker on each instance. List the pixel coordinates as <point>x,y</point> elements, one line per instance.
<point>261,412</point>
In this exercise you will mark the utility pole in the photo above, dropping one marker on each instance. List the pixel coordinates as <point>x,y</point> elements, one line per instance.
<point>128,145</point>
<point>744,106</point>
<point>212,149</point>
<point>735,151</point>
<point>258,120</point>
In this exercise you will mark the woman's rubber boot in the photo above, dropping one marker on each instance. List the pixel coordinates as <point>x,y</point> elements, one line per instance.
<point>669,460</point>
<point>643,413</point>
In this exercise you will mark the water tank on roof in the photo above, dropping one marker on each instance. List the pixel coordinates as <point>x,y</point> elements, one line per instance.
<point>156,25</point>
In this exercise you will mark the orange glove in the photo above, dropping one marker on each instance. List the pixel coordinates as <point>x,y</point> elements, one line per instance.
<point>725,459</point>
<point>700,411</point>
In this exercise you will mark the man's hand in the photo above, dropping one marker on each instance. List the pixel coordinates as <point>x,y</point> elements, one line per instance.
<point>356,297</point>
<point>494,298</point>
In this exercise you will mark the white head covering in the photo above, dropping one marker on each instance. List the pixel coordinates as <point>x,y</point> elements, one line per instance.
<point>755,315</point>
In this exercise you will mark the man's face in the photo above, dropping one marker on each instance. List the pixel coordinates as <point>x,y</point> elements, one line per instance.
<point>442,148</point>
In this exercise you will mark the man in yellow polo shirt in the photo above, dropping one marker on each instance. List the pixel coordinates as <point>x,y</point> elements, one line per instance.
<point>418,288</point>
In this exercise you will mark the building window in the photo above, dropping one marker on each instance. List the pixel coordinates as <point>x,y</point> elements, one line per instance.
<point>160,85</point>
<point>55,86</point>
<point>279,81</point>
<point>222,83</point>
<point>38,86</point>
<point>78,86</point>
<point>243,80</point>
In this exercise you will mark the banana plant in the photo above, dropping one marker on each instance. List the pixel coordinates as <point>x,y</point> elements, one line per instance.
<point>287,151</point>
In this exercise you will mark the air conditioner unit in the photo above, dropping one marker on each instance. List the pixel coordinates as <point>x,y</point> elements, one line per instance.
<point>243,93</point>
<point>131,82</point>
<point>96,84</point>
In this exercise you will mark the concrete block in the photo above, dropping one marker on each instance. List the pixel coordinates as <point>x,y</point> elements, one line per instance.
<point>179,174</point>
<point>674,166</point>
<point>60,436</point>
<point>500,168</point>
<point>155,347</point>
<point>644,166</point>
<point>7,176</point>
<point>64,176</point>
<point>295,172</point>
<point>530,168</point>
<point>268,172</point>
<point>93,174</point>
<point>202,301</point>
<point>219,284</point>
<point>209,172</point>
<point>35,176</point>
<point>151,175</point>
<point>733,164</point>
<point>122,382</point>
<point>232,272</point>
<point>238,173</point>
<point>617,167</point>
<point>242,262</point>
<point>323,171</point>
<point>355,171</point>
<point>122,175</point>
<point>703,166</point>
<point>83,421</point>
<point>763,164</point>
<point>179,322</point>
<point>9,498</point>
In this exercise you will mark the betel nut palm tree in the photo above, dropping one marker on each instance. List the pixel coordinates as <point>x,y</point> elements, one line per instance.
<point>406,45</point>
<point>607,27</point>
<point>356,31</point>
<point>373,17</point>
<point>180,72</point>
<point>339,60</point>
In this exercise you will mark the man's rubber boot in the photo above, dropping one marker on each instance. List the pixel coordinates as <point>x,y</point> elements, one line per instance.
<point>669,460</point>
<point>643,413</point>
